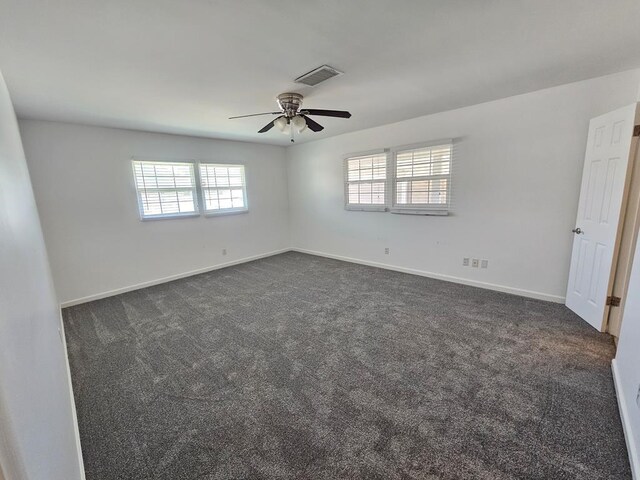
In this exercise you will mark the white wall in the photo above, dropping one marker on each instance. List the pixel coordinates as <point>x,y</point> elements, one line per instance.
<point>518,163</point>
<point>37,439</point>
<point>627,366</point>
<point>83,181</point>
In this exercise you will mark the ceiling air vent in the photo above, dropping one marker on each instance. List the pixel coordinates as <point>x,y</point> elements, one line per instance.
<point>318,75</point>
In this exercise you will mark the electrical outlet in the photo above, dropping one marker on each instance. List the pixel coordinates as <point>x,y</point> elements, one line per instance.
<point>386,251</point>
<point>465,262</point>
<point>475,262</point>
<point>484,264</point>
<point>224,251</point>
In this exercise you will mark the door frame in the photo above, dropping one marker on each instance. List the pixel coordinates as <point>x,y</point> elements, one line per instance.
<point>627,237</point>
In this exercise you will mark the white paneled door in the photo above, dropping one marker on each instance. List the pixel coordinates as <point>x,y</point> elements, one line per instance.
<point>604,182</point>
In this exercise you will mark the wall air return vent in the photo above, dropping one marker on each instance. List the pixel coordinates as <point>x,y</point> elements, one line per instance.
<point>318,75</point>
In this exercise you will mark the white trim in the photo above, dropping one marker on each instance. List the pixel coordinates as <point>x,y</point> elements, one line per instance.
<point>439,276</point>
<point>423,273</point>
<point>168,216</point>
<point>225,212</point>
<point>365,207</point>
<point>632,448</point>
<point>418,211</point>
<point>170,278</point>
<point>74,415</point>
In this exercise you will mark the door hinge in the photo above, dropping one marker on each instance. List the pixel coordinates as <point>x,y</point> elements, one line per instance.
<point>613,301</point>
<point>636,131</point>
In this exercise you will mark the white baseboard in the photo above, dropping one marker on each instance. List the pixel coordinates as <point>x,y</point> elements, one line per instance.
<point>158,281</point>
<point>439,276</point>
<point>74,414</point>
<point>632,448</point>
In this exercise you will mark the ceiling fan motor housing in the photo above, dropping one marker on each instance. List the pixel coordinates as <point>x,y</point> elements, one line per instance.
<point>290,103</point>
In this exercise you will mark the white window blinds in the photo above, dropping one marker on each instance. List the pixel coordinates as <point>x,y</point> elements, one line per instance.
<point>422,178</point>
<point>165,189</point>
<point>365,181</point>
<point>223,188</point>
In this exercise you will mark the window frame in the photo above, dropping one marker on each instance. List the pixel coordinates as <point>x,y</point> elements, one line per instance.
<point>356,207</point>
<point>166,216</point>
<point>225,211</point>
<point>199,202</point>
<point>420,209</point>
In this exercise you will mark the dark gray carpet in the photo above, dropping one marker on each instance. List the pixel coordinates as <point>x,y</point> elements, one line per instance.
<point>300,367</point>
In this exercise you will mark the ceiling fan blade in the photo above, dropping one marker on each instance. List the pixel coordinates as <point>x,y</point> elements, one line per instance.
<point>327,113</point>
<point>255,115</point>
<point>312,124</point>
<point>269,125</point>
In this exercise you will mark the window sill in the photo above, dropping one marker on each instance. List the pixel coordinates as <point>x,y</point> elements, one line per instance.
<point>368,208</point>
<point>169,217</point>
<point>419,211</point>
<point>224,213</point>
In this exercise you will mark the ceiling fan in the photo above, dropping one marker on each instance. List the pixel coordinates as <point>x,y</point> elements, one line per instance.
<point>293,117</point>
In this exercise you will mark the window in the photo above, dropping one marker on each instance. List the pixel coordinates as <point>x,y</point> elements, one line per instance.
<point>223,188</point>
<point>165,189</point>
<point>412,179</point>
<point>365,181</point>
<point>422,179</point>
<point>183,189</point>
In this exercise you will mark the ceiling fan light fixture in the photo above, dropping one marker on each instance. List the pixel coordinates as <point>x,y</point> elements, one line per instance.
<point>299,123</point>
<point>281,123</point>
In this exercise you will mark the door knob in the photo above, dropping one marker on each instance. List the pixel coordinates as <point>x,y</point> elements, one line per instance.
<point>577,231</point>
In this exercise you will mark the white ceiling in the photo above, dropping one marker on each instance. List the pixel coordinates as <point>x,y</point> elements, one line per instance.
<point>185,66</point>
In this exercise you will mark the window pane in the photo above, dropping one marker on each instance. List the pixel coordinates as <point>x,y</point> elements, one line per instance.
<point>377,193</point>
<point>366,174</point>
<point>151,203</point>
<point>440,168</point>
<point>365,193</point>
<point>354,193</point>
<point>353,164</point>
<point>366,163</point>
<point>402,192</point>
<point>404,169</point>
<point>237,198</point>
